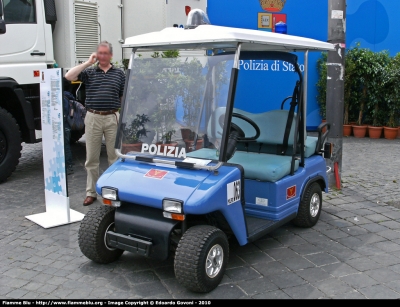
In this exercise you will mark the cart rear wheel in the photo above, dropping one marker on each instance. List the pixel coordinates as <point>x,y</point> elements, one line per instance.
<point>310,206</point>
<point>92,235</point>
<point>201,258</point>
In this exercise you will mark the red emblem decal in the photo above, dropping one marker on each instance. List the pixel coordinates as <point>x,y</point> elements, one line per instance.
<point>290,192</point>
<point>153,173</point>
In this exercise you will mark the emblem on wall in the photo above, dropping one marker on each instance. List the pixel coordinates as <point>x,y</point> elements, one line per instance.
<point>272,5</point>
<point>272,20</point>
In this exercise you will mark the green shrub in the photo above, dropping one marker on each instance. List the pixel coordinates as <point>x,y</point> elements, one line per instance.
<point>371,81</point>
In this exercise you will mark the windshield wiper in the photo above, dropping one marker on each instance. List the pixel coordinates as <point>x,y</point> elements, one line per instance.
<point>144,159</point>
<point>177,163</point>
<point>184,164</point>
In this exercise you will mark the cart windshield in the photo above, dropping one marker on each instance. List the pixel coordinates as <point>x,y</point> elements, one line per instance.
<point>171,102</point>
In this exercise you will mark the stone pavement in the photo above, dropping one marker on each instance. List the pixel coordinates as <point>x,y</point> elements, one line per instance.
<point>353,252</point>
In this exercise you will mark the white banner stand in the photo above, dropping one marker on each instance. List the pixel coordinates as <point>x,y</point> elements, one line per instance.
<point>58,211</point>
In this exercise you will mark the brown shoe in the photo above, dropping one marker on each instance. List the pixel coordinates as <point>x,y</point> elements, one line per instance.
<point>89,200</point>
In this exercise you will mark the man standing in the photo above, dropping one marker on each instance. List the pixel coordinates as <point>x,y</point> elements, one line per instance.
<point>104,86</point>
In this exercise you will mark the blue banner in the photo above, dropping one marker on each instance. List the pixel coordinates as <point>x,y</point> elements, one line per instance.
<point>372,23</point>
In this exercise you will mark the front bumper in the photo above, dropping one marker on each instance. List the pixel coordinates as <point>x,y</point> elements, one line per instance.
<point>129,243</point>
<point>142,230</point>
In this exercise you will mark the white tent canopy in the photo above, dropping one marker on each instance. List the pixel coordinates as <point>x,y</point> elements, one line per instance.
<point>217,37</point>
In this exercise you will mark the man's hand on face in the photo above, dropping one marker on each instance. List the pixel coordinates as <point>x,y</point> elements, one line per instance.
<point>92,59</point>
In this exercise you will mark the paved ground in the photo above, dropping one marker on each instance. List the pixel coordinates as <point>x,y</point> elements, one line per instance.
<point>353,251</point>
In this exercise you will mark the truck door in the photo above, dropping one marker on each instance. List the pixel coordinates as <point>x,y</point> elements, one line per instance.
<point>24,42</point>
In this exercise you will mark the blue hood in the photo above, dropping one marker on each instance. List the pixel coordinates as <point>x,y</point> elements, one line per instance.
<point>147,184</point>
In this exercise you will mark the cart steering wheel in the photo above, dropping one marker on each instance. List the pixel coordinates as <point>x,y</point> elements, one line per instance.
<point>237,135</point>
<point>241,137</point>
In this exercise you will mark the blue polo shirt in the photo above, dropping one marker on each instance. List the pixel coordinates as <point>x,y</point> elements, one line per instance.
<point>103,89</point>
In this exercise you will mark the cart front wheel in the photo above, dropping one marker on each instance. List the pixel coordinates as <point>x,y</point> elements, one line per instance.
<point>310,206</point>
<point>92,235</point>
<point>201,258</point>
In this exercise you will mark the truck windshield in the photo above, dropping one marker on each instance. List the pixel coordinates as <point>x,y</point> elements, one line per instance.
<point>175,103</point>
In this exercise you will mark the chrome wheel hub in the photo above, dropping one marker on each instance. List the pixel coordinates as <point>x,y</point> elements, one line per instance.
<point>315,204</point>
<point>110,227</point>
<point>214,261</point>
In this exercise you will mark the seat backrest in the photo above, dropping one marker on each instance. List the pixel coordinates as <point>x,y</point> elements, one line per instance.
<point>272,126</point>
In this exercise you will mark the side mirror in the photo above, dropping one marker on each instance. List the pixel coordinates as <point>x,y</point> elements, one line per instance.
<point>2,26</point>
<point>328,149</point>
<point>322,136</point>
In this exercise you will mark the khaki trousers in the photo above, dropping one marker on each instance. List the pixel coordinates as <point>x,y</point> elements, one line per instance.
<point>95,127</point>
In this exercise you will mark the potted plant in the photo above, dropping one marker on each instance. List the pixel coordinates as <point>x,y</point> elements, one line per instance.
<point>166,141</point>
<point>133,133</point>
<point>189,142</point>
<point>351,95</point>
<point>364,60</point>
<point>391,130</point>
<point>375,89</point>
<point>391,83</point>
<point>167,137</point>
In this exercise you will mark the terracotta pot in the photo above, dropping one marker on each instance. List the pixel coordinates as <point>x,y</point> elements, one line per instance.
<point>347,130</point>
<point>390,133</point>
<point>189,143</point>
<point>375,132</point>
<point>359,131</point>
<point>131,147</point>
<point>367,132</point>
<point>398,134</point>
<point>352,124</point>
<point>185,133</point>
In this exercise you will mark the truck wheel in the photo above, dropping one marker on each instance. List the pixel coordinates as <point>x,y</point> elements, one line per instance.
<point>10,144</point>
<point>310,207</point>
<point>92,235</point>
<point>201,258</point>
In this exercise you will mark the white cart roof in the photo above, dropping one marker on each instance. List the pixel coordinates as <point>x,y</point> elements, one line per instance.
<point>217,37</point>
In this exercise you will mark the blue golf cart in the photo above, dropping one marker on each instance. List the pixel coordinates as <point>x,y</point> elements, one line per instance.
<point>198,167</point>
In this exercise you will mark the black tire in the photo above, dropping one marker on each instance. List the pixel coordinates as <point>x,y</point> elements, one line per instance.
<point>191,257</point>
<point>310,207</point>
<point>10,144</point>
<point>91,235</point>
<point>76,135</point>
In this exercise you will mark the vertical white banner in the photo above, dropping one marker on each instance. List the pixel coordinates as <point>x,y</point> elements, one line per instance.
<point>58,211</point>
<point>53,131</point>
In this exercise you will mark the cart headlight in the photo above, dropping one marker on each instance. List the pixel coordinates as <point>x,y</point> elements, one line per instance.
<point>110,197</point>
<point>172,205</point>
<point>109,193</point>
